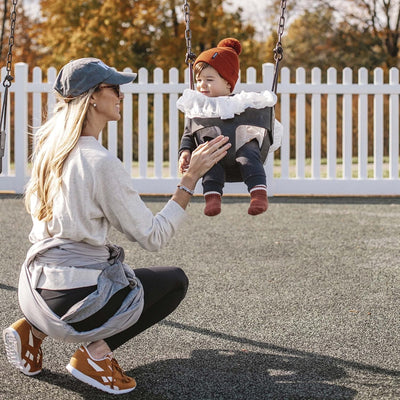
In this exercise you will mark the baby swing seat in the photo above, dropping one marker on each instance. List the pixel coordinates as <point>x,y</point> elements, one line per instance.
<point>242,117</point>
<point>257,121</point>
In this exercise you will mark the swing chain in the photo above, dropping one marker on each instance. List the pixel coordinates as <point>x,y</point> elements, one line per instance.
<point>278,50</point>
<point>7,83</point>
<point>13,17</point>
<point>190,56</point>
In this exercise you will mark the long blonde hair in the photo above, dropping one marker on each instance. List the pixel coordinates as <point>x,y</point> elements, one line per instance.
<point>56,139</point>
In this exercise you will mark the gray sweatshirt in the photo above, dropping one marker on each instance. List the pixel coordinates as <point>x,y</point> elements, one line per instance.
<point>71,250</point>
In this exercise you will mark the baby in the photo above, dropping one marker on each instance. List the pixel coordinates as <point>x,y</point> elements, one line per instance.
<point>216,72</point>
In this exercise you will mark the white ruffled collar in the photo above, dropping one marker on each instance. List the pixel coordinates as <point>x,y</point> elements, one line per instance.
<point>197,105</point>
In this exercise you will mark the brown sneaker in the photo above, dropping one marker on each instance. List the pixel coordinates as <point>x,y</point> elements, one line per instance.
<point>23,348</point>
<point>104,374</point>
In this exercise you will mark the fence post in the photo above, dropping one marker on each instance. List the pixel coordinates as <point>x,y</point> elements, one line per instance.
<point>347,126</point>
<point>21,126</point>
<point>143,124</point>
<point>362,126</point>
<point>37,104</point>
<point>300,125</point>
<point>51,98</point>
<point>173,125</point>
<point>285,120</point>
<point>316,125</point>
<point>332,126</point>
<point>158,135</point>
<point>267,78</point>
<point>378,126</point>
<point>394,127</point>
<point>127,128</point>
<point>267,75</point>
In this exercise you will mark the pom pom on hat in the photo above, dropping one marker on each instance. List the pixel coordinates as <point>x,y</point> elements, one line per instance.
<point>233,43</point>
<point>225,59</point>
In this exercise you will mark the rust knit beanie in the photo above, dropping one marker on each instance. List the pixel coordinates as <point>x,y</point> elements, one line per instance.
<point>225,59</point>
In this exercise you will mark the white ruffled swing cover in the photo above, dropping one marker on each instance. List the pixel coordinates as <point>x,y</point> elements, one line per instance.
<point>196,105</point>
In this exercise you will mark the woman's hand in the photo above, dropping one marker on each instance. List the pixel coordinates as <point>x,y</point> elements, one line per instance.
<point>207,155</point>
<point>201,160</point>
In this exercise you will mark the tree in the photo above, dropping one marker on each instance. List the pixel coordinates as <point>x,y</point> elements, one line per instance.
<point>134,32</point>
<point>23,49</point>
<point>316,39</point>
<point>209,27</point>
<point>118,31</point>
<point>376,20</point>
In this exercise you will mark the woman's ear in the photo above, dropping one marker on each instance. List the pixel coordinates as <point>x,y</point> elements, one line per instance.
<point>93,100</point>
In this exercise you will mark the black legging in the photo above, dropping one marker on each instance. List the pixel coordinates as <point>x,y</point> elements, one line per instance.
<point>164,288</point>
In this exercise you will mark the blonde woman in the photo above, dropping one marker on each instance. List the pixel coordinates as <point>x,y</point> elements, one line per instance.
<point>74,285</point>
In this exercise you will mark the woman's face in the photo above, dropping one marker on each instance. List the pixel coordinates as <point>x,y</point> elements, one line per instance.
<point>211,83</point>
<point>108,100</point>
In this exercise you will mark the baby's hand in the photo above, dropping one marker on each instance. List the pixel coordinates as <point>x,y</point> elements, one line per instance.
<point>184,161</point>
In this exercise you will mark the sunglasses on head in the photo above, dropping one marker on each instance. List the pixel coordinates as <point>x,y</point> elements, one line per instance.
<point>116,88</point>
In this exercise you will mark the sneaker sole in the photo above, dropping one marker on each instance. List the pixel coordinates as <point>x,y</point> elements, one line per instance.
<point>12,343</point>
<point>92,382</point>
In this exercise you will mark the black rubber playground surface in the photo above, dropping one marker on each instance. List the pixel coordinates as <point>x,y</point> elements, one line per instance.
<point>302,302</point>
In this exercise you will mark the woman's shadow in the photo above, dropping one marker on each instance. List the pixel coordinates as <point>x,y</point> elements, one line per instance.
<point>227,374</point>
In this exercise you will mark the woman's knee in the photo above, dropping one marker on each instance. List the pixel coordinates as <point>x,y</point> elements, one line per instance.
<point>182,279</point>
<point>163,279</point>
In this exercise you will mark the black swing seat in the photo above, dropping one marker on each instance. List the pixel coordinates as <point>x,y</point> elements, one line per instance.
<point>205,129</point>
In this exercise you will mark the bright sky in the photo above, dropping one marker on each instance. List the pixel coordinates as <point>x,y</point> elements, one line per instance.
<point>255,11</point>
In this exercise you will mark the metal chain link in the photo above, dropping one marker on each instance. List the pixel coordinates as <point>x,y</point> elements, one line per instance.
<point>278,50</point>
<point>13,17</point>
<point>190,56</point>
<point>3,27</point>
<point>7,82</point>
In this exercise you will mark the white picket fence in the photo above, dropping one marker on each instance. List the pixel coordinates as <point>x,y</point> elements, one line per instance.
<point>352,174</point>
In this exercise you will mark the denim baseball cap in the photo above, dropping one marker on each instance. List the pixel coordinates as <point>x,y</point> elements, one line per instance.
<point>78,76</point>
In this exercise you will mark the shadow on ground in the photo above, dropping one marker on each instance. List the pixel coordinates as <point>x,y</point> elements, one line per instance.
<point>226,374</point>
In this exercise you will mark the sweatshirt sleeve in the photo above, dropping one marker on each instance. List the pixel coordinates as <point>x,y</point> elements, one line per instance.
<point>126,211</point>
<point>187,141</point>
